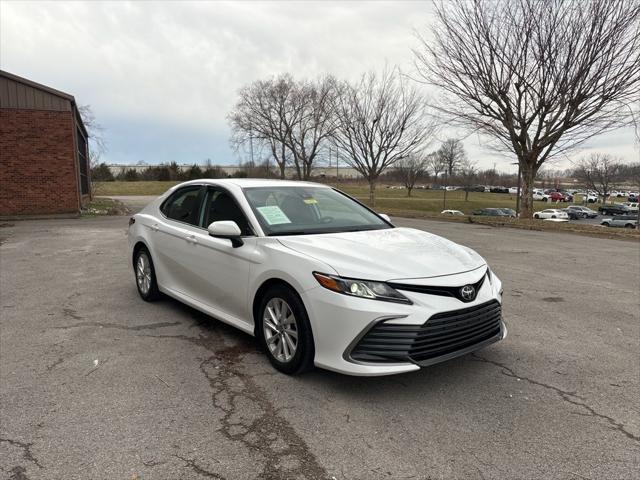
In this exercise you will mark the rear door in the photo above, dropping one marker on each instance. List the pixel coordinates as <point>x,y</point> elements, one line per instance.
<point>173,238</point>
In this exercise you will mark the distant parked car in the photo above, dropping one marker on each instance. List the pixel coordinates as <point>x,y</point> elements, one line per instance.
<point>551,213</point>
<point>592,197</point>
<point>585,211</point>
<point>499,190</point>
<point>633,206</point>
<point>573,214</point>
<point>490,212</point>
<point>623,221</point>
<point>633,198</point>
<point>510,212</point>
<point>613,209</point>
<point>540,196</point>
<point>558,197</point>
<point>454,213</point>
<point>513,190</point>
<point>475,188</point>
<point>437,187</point>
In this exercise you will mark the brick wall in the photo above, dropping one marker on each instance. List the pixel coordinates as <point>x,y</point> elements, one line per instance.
<point>37,163</point>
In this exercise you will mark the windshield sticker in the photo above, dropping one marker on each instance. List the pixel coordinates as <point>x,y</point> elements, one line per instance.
<point>310,201</point>
<point>273,215</point>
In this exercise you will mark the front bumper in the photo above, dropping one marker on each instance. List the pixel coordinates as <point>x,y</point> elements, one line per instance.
<point>339,322</point>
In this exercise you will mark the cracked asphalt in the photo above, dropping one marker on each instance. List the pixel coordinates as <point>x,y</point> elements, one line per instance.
<point>97,384</point>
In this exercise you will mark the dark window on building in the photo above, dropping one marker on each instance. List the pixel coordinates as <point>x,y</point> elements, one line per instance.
<point>83,161</point>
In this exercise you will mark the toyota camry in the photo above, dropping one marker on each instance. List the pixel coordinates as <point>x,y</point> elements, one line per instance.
<point>316,276</point>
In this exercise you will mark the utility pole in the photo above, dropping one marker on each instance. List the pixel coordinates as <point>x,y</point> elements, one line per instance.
<point>444,196</point>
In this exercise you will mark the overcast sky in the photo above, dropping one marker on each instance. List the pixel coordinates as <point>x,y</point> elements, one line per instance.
<point>161,77</point>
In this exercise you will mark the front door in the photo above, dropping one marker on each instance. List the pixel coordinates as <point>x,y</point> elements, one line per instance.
<point>221,272</point>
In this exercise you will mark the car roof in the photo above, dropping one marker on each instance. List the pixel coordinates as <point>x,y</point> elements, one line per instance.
<point>255,182</point>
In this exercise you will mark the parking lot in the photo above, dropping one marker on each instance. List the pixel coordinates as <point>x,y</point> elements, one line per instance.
<point>96,383</point>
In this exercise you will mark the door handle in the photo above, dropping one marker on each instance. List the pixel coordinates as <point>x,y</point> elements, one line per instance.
<point>155,227</point>
<point>191,239</point>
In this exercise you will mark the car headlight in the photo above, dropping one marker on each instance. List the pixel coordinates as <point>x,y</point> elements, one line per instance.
<point>361,288</point>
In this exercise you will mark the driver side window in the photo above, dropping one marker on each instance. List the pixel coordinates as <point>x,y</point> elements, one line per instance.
<point>220,205</point>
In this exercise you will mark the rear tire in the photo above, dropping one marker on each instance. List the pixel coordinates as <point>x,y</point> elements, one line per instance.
<point>284,332</point>
<point>145,275</point>
<point>537,217</point>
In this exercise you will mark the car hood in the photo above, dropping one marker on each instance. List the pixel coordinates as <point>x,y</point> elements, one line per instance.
<point>390,254</point>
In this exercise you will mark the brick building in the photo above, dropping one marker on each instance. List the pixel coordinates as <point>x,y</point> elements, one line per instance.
<point>44,164</point>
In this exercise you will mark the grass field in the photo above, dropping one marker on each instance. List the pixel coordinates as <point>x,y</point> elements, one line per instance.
<point>421,201</point>
<point>421,204</point>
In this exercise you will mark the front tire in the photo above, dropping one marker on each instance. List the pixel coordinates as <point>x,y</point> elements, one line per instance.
<point>284,331</point>
<point>145,276</point>
<point>536,217</point>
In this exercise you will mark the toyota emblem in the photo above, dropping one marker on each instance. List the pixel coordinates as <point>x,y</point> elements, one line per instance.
<point>468,292</point>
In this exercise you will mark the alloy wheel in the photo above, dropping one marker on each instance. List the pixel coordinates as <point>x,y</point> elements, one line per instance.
<point>143,273</point>
<point>280,329</point>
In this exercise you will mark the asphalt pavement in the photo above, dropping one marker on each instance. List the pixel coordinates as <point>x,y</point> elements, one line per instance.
<point>97,384</point>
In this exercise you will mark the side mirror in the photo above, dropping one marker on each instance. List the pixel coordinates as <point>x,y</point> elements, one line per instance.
<point>385,217</point>
<point>227,229</point>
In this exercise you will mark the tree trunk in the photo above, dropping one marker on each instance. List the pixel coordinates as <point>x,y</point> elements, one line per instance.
<point>466,194</point>
<point>528,175</point>
<point>372,192</point>
<point>282,167</point>
<point>409,191</point>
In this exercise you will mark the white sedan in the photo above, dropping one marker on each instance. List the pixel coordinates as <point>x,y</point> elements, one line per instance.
<point>317,277</point>
<point>540,196</point>
<point>552,213</point>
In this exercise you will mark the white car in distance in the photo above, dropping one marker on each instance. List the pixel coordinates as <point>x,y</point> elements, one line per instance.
<point>317,277</point>
<point>452,213</point>
<point>540,196</point>
<point>551,213</point>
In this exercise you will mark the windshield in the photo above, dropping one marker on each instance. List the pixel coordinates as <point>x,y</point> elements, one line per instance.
<point>290,210</point>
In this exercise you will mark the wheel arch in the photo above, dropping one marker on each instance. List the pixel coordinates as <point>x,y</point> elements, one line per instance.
<point>136,248</point>
<point>264,286</point>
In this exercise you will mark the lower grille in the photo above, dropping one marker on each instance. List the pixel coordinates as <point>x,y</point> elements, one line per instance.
<point>443,334</point>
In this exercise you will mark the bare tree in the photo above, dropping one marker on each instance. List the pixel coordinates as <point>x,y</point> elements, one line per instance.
<point>262,114</point>
<point>411,168</point>
<point>451,155</point>
<point>537,77</point>
<point>97,143</point>
<point>380,120</point>
<point>311,122</point>
<point>599,172</point>
<point>435,164</point>
<point>291,119</point>
<point>467,175</point>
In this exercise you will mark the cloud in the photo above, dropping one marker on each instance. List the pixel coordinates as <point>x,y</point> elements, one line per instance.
<point>161,77</point>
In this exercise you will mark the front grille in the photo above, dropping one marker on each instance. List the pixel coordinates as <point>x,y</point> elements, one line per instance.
<point>442,334</point>
<point>442,291</point>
